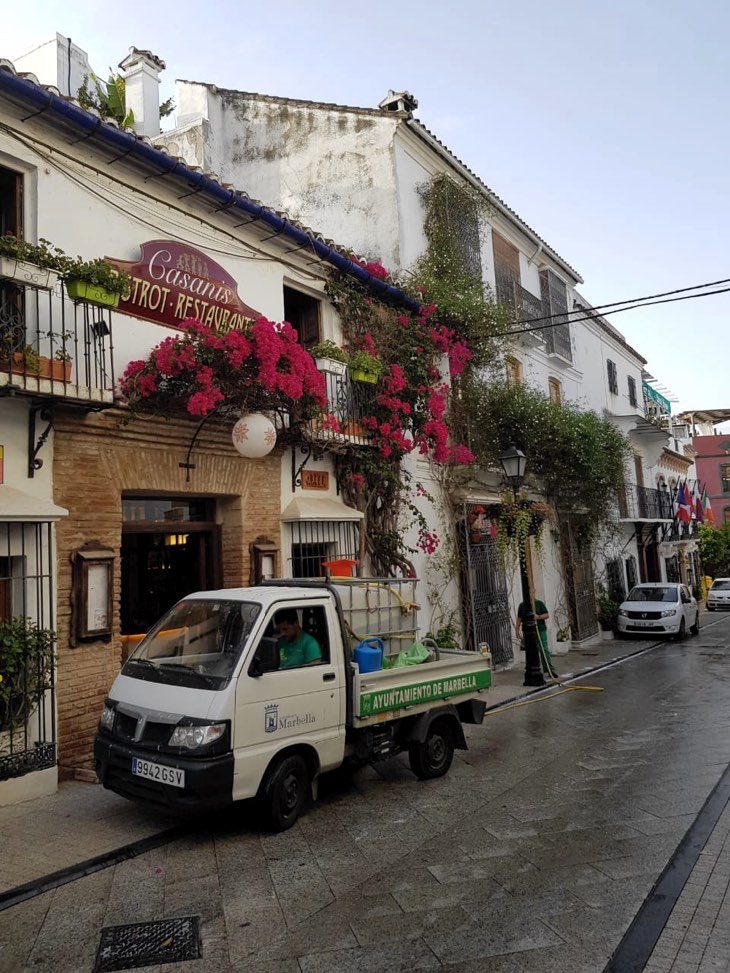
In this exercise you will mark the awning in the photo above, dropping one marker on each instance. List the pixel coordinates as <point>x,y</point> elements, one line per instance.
<point>15,506</point>
<point>317,508</point>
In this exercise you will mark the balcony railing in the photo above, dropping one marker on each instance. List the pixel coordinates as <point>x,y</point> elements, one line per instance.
<point>53,346</point>
<point>645,503</point>
<point>348,402</point>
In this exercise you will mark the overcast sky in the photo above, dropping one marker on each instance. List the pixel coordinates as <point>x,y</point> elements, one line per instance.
<point>602,123</point>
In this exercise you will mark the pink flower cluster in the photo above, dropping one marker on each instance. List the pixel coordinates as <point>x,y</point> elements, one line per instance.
<point>428,541</point>
<point>201,369</point>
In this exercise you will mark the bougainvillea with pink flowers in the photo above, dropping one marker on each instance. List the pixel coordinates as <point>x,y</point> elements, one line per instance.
<point>200,371</point>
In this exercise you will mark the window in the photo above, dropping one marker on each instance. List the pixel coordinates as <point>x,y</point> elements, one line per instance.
<point>296,637</point>
<point>302,313</point>
<point>612,376</point>
<point>506,270</point>
<point>11,220</point>
<point>514,371</point>
<point>313,542</point>
<point>554,296</point>
<point>632,392</point>
<point>461,217</point>
<point>554,391</point>
<point>725,477</point>
<point>726,515</point>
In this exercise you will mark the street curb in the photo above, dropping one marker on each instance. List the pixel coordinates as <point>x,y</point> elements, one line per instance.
<point>47,883</point>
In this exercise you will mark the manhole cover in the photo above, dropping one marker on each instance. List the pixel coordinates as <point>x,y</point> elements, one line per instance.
<point>148,943</point>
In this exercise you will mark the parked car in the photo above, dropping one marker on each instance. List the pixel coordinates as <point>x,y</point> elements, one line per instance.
<point>659,608</point>
<point>719,594</point>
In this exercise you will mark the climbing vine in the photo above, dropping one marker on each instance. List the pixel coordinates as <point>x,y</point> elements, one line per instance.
<point>578,456</point>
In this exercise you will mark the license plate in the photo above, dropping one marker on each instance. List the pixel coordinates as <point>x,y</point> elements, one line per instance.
<point>159,772</point>
<point>643,624</point>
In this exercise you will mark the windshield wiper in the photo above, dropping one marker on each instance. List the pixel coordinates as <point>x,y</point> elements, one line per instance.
<point>141,662</point>
<point>183,667</point>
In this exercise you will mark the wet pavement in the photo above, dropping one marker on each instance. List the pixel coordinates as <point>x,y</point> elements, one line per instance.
<point>535,853</point>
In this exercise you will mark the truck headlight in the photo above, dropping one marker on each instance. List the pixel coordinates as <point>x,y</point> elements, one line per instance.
<point>668,612</point>
<point>107,718</point>
<point>192,737</point>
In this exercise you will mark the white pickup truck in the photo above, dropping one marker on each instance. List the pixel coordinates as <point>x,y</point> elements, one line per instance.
<point>204,713</point>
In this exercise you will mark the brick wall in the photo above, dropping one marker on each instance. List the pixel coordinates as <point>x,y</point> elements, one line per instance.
<point>97,458</point>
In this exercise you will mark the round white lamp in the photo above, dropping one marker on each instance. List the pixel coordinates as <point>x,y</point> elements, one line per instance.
<point>254,435</point>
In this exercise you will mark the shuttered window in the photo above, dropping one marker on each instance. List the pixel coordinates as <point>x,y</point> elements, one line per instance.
<point>632,392</point>
<point>506,269</point>
<point>612,376</point>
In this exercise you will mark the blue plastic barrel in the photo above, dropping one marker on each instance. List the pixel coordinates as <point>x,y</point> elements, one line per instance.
<point>369,654</point>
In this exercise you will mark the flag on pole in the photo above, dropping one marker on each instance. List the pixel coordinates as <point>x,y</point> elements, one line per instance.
<point>684,505</point>
<point>697,503</point>
<point>709,516</point>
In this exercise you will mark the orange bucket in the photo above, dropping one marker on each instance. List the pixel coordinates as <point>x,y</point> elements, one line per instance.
<point>344,568</point>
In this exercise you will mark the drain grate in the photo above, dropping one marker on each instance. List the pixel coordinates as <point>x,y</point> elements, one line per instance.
<point>147,943</point>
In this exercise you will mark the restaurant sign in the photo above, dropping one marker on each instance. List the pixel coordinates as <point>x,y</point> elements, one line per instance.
<point>173,281</point>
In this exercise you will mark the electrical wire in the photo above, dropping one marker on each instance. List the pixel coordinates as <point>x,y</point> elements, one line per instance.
<point>618,310</point>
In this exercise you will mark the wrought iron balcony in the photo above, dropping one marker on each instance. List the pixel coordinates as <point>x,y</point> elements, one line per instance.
<point>645,503</point>
<point>53,346</point>
<point>348,402</point>
<point>527,306</point>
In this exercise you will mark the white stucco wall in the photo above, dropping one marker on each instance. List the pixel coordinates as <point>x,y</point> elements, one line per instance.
<point>328,168</point>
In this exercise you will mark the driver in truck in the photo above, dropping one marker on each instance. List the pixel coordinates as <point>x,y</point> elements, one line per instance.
<point>296,648</point>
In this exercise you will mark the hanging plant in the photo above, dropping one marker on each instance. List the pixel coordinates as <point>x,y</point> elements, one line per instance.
<point>518,518</point>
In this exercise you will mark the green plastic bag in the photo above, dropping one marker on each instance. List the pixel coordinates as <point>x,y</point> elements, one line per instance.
<point>414,655</point>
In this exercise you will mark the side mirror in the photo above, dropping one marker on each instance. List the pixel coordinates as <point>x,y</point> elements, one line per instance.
<point>266,658</point>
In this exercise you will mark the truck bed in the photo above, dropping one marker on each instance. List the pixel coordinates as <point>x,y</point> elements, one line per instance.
<point>392,693</point>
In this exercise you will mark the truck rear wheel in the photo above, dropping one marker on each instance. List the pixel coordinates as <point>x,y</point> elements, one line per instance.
<point>432,758</point>
<point>284,792</point>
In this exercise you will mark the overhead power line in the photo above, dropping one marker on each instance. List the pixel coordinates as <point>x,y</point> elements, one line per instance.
<point>592,313</point>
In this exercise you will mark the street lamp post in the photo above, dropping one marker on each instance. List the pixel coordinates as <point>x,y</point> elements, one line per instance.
<point>513,462</point>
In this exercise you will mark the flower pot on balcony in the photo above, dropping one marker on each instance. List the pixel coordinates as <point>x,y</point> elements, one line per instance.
<point>80,290</point>
<point>38,366</point>
<point>331,365</point>
<point>28,274</point>
<point>358,375</point>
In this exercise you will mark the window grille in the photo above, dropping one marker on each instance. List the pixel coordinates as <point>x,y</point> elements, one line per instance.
<point>556,328</point>
<point>27,717</point>
<point>462,219</point>
<point>316,541</point>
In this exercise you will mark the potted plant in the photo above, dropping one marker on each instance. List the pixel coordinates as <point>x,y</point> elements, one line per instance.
<point>95,281</point>
<point>61,366</point>
<point>365,367</point>
<point>26,667</point>
<point>606,611</point>
<point>329,357</point>
<point>33,264</point>
<point>562,637</point>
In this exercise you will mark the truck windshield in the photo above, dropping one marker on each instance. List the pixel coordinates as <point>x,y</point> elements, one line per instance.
<point>197,643</point>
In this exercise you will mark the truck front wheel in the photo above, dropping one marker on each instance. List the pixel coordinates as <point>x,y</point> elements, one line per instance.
<point>433,757</point>
<point>284,792</point>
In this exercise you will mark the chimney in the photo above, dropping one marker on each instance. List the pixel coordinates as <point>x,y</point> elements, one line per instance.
<point>402,101</point>
<point>142,90</point>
